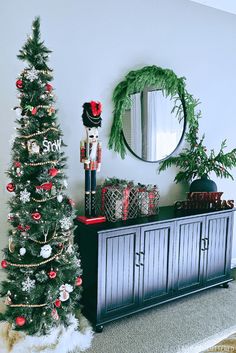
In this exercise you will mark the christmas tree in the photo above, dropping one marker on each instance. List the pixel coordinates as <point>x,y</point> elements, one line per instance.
<point>43,284</point>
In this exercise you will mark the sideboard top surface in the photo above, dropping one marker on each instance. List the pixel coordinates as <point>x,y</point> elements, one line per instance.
<point>166,213</point>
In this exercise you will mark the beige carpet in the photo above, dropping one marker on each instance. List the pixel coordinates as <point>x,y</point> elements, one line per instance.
<point>170,327</point>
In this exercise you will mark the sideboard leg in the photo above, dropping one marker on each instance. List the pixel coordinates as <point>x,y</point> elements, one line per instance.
<point>226,285</point>
<point>99,328</point>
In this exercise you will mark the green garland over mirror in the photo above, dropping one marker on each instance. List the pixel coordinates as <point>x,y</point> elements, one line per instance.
<point>136,81</point>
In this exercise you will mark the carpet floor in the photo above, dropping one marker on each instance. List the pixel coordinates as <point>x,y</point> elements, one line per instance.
<point>170,327</point>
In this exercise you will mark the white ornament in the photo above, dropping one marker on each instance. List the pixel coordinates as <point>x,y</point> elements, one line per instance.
<point>65,183</point>
<point>50,146</point>
<point>59,198</point>
<point>33,147</point>
<point>70,249</point>
<point>10,216</point>
<point>19,172</point>
<point>65,223</point>
<point>22,251</point>
<point>78,262</point>
<point>65,289</point>
<point>18,112</point>
<point>24,196</point>
<point>46,251</point>
<point>28,284</point>
<point>32,74</point>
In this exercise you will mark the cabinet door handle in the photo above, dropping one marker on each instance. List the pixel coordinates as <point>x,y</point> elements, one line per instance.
<point>142,258</point>
<point>138,259</point>
<point>206,243</point>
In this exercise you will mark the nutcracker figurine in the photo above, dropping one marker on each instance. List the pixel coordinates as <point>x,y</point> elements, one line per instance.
<point>90,156</point>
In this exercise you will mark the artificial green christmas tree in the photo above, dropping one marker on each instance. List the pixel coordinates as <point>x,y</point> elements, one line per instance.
<point>44,283</point>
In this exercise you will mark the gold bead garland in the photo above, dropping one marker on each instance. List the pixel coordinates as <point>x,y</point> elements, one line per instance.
<point>38,133</point>
<point>27,305</point>
<point>43,200</point>
<point>36,265</point>
<point>40,163</point>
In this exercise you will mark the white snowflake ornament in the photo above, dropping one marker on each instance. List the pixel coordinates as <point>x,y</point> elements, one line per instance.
<point>70,249</point>
<point>32,74</point>
<point>24,196</point>
<point>46,251</point>
<point>65,223</point>
<point>28,284</point>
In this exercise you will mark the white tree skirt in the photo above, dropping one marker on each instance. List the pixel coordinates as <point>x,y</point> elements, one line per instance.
<point>59,340</point>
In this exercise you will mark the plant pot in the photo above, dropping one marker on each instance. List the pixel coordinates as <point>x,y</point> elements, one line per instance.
<point>203,185</point>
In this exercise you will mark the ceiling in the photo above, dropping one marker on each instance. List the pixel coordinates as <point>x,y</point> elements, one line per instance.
<point>224,5</point>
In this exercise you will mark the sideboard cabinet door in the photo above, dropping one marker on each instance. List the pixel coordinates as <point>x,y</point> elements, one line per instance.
<point>218,241</point>
<point>118,272</point>
<point>189,254</point>
<point>156,254</point>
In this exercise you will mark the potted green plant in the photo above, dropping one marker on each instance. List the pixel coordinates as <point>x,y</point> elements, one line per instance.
<point>196,163</point>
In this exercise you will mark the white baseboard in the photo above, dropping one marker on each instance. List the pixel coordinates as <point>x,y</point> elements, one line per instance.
<point>233,262</point>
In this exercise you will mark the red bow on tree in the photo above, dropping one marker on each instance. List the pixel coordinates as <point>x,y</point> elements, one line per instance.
<point>45,186</point>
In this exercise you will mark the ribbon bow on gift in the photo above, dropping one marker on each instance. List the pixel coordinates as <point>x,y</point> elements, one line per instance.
<point>65,289</point>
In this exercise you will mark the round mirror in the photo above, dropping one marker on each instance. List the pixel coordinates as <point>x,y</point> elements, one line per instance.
<point>151,110</point>
<point>150,127</point>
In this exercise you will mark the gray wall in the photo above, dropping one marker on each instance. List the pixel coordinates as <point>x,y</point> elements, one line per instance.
<point>95,44</point>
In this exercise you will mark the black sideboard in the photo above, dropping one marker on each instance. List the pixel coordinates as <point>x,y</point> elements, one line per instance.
<point>136,264</point>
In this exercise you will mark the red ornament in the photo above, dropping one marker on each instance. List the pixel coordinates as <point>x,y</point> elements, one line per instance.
<point>57,303</point>
<point>53,172</point>
<point>10,187</point>
<point>71,202</point>
<point>34,111</point>
<point>17,164</point>
<point>4,264</point>
<point>36,216</point>
<point>19,84</point>
<point>20,227</point>
<point>78,281</point>
<point>48,87</point>
<point>45,186</point>
<point>20,320</point>
<point>96,108</point>
<point>52,274</point>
